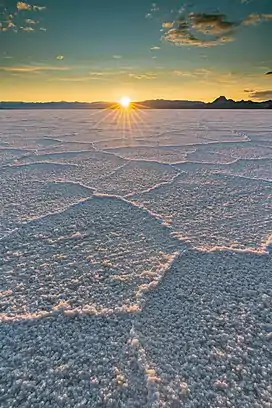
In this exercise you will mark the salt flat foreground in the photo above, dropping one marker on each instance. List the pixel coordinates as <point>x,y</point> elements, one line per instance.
<point>135,259</point>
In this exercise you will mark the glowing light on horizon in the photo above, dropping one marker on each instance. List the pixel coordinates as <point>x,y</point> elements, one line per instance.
<point>125,102</point>
<point>125,116</point>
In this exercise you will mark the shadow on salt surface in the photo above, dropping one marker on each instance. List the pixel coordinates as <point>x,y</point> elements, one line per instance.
<point>22,141</point>
<point>37,172</point>
<point>164,154</point>
<point>73,157</point>
<point>264,138</point>
<point>136,176</point>
<point>9,154</point>
<point>213,209</point>
<point>68,147</point>
<point>101,253</point>
<point>255,168</point>
<point>228,152</point>
<point>202,339</point>
<point>22,200</point>
<point>206,330</point>
<point>64,362</point>
<point>78,167</point>
<point>260,169</point>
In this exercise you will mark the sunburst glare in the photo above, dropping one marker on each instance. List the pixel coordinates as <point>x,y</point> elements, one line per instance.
<point>125,117</point>
<point>125,102</point>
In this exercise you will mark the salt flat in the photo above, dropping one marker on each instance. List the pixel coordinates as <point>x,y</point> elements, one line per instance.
<point>135,259</point>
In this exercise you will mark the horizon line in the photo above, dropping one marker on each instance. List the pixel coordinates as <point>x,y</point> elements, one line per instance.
<point>133,101</point>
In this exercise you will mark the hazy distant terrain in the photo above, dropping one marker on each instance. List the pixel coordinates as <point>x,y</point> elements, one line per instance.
<point>134,257</point>
<point>219,103</point>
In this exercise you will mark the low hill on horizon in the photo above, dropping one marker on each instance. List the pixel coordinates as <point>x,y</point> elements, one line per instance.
<point>219,103</point>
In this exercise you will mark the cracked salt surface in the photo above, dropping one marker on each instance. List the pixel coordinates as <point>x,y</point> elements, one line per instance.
<point>101,253</point>
<point>139,275</point>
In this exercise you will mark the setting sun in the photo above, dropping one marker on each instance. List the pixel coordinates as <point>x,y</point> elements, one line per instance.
<point>125,102</point>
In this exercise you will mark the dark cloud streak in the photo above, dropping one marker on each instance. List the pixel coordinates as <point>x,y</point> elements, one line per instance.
<point>261,95</point>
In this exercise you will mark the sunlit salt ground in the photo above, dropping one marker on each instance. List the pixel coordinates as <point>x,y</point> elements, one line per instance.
<point>135,259</point>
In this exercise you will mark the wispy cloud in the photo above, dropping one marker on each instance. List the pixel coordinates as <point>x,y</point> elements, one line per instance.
<point>38,8</point>
<point>27,29</point>
<point>254,19</point>
<point>147,76</point>
<point>33,68</point>
<point>213,76</point>
<point>72,79</point>
<point>155,48</point>
<point>84,78</point>
<point>22,6</point>
<point>117,56</point>
<point>31,22</point>
<point>60,57</point>
<point>261,95</point>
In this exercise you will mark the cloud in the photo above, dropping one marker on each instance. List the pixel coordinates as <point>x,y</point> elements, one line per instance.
<point>14,22</point>
<point>147,76</point>
<point>261,95</point>
<point>155,48</point>
<point>33,68</point>
<point>211,23</point>
<point>184,38</point>
<point>27,29</point>
<point>8,23</point>
<point>269,73</point>
<point>30,21</point>
<point>168,24</point>
<point>98,73</point>
<point>117,56</point>
<point>212,76</point>
<point>188,31</point>
<point>183,73</point>
<point>60,57</point>
<point>72,79</point>
<point>206,30</point>
<point>254,19</point>
<point>22,6</point>
<point>39,8</point>
<point>201,73</point>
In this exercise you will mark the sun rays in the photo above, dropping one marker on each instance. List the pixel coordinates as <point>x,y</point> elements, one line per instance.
<point>125,117</point>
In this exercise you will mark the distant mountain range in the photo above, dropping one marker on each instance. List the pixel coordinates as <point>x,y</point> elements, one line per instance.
<point>220,103</point>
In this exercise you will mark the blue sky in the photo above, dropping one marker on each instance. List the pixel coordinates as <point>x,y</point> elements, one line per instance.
<point>100,50</point>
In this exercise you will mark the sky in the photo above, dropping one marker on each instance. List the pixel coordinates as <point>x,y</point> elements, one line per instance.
<point>93,50</point>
